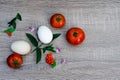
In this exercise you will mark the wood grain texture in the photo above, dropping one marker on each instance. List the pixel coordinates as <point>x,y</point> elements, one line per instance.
<point>98,58</point>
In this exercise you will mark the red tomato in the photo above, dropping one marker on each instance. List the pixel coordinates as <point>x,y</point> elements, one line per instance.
<point>75,36</point>
<point>57,20</point>
<point>14,60</point>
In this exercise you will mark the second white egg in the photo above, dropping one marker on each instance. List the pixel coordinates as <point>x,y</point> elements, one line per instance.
<point>21,47</point>
<point>45,34</point>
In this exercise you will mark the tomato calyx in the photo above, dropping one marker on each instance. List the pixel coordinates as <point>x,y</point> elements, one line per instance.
<point>75,34</point>
<point>58,18</point>
<point>16,63</point>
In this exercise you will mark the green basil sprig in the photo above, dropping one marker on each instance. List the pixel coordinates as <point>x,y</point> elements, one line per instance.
<point>39,49</point>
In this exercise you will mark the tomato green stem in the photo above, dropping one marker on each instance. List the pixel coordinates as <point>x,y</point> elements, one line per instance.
<point>58,18</point>
<point>75,34</point>
<point>16,63</point>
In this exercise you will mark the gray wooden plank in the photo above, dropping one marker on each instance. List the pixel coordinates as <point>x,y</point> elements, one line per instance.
<point>98,58</point>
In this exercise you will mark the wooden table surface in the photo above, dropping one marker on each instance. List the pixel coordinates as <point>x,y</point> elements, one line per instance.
<point>98,58</point>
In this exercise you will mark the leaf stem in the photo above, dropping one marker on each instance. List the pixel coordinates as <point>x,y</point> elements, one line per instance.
<point>40,45</point>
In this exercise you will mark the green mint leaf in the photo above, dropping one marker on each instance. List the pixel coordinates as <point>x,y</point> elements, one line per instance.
<point>54,64</point>
<point>32,39</point>
<point>18,16</point>
<point>56,36</point>
<point>38,55</point>
<point>9,30</point>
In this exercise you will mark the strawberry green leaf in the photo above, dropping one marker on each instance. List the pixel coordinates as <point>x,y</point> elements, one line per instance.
<point>18,16</point>
<point>32,39</point>
<point>11,30</point>
<point>56,36</point>
<point>54,64</point>
<point>14,25</point>
<point>12,22</point>
<point>38,55</point>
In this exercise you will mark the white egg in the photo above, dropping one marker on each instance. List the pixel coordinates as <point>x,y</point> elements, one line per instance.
<point>45,34</point>
<point>21,47</point>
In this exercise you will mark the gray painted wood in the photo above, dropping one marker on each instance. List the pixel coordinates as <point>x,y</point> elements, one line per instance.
<point>98,58</point>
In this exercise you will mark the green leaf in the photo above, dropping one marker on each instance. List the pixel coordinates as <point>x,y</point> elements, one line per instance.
<point>12,22</point>
<point>38,55</point>
<point>54,64</point>
<point>56,36</point>
<point>52,50</point>
<point>49,48</point>
<point>18,16</point>
<point>9,30</point>
<point>44,50</point>
<point>14,25</point>
<point>32,39</point>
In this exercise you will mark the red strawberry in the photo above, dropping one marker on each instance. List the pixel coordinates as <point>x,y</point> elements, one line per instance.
<point>9,34</point>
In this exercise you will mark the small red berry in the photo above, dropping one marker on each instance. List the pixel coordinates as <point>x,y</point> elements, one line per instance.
<point>49,58</point>
<point>9,34</point>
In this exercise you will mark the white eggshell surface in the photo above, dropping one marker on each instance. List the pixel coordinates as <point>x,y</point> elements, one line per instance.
<point>45,34</point>
<point>21,47</point>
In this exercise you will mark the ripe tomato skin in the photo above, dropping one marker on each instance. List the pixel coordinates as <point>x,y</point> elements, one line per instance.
<point>14,60</point>
<point>57,20</point>
<point>75,36</point>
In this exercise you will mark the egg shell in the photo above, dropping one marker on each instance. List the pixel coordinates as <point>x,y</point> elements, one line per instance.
<point>21,47</point>
<point>45,34</point>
